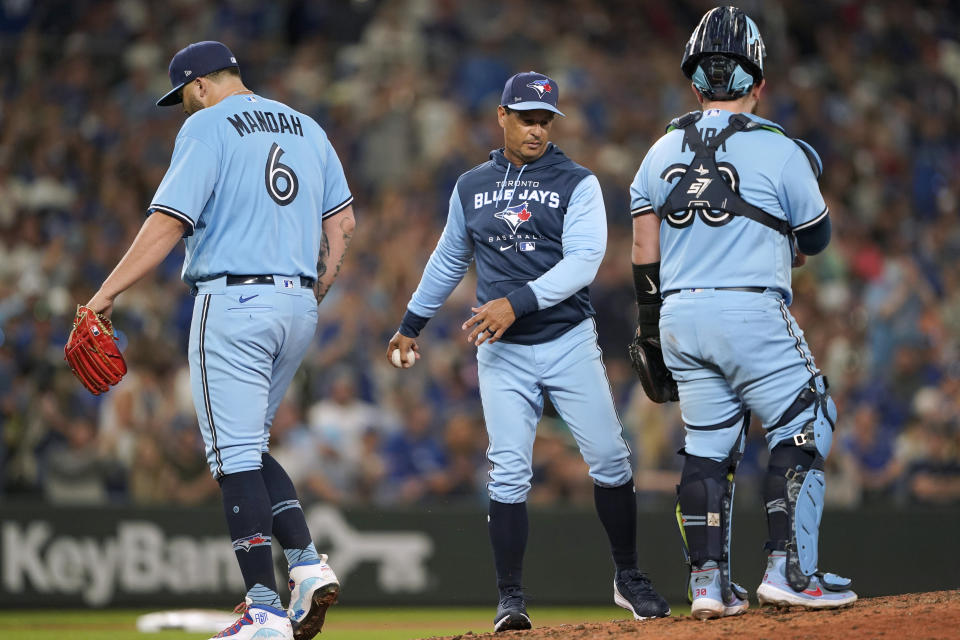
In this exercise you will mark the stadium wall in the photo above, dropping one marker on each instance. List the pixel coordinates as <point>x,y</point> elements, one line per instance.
<point>175,557</point>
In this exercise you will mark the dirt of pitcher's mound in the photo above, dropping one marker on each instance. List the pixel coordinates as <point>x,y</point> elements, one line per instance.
<point>933,616</point>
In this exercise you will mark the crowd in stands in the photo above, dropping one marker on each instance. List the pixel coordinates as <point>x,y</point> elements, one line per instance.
<point>407,92</point>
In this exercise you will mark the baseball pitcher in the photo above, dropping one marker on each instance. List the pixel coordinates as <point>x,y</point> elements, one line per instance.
<point>260,197</point>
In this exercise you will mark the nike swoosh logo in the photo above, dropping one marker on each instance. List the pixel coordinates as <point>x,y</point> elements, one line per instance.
<point>815,594</point>
<point>509,246</point>
<point>653,287</point>
<point>248,298</point>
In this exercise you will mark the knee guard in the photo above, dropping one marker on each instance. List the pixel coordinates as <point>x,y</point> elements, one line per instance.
<point>794,489</point>
<point>820,427</point>
<point>705,510</point>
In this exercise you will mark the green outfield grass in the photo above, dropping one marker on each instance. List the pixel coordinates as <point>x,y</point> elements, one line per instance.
<point>343,623</point>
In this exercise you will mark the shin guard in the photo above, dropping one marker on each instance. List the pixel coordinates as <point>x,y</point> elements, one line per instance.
<point>705,512</point>
<point>794,490</point>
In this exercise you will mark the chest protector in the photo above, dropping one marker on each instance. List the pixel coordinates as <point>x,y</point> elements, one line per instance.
<point>709,189</point>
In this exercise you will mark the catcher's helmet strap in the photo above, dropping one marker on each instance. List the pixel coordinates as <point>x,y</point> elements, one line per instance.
<point>812,157</point>
<point>683,121</point>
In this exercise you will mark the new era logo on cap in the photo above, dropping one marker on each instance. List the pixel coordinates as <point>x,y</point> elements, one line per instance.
<point>531,90</point>
<point>195,60</point>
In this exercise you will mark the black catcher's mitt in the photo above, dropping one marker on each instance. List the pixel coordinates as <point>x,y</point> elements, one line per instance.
<point>646,356</point>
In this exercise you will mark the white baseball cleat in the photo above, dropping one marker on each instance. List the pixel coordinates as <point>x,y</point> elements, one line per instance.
<point>258,622</point>
<point>313,588</point>
<point>825,591</point>
<point>708,601</point>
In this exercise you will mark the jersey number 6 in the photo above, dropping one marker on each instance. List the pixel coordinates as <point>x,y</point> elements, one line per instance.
<point>281,181</point>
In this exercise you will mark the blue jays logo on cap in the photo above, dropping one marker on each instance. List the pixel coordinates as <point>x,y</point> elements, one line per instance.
<point>541,87</point>
<point>194,61</point>
<point>531,90</point>
<point>514,216</point>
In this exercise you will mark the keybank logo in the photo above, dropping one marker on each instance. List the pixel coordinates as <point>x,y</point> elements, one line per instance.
<point>141,558</point>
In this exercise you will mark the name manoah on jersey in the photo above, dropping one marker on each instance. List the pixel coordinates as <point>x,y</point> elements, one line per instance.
<point>265,122</point>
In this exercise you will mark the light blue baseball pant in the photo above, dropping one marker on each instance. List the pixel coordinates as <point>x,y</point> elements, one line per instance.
<point>569,369</point>
<point>731,351</point>
<point>246,342</point>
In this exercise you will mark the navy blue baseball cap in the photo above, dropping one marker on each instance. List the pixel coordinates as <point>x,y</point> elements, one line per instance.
<point>531,90</point>
<point>195,60</point>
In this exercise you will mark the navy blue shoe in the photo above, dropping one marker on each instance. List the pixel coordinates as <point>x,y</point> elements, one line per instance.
<point>512,612</point>
<point>632,591</point>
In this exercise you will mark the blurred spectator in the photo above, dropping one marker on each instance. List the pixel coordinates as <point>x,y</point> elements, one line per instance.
<point>339,421</point>
<point>559,472</point>
<point>934,477</point>
<point>76,471</point>
<point>465,443</point>
<point>870,455</point>
<point>416,460</point>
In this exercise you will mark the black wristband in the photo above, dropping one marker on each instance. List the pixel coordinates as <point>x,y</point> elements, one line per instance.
<point>646,283</point>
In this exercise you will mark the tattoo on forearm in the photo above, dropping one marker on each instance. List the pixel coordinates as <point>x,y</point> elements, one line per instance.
<point>324,254</point>
<point>321,267</point>
<point>320,289</point>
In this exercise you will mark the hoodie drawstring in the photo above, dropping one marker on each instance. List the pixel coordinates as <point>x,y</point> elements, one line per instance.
<point>504,185</point>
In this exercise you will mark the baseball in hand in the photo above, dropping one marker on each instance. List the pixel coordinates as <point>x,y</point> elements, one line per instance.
<point>396,358</point>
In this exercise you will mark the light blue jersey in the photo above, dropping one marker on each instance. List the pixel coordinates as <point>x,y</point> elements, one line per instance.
<point>252,179</point>
<point>731,350</point>
<point>768,170</point>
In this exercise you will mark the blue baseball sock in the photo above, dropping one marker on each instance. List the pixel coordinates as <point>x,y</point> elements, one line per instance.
<point>289,523</point>
<point>260,594</point>
<point>246,506</point>
<point>508,526</point>
<point>617,508</point>
<point>299,556</point>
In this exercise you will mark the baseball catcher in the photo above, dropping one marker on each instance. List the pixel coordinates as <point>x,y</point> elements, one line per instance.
<point>723,205</point>
<point>92,353</point>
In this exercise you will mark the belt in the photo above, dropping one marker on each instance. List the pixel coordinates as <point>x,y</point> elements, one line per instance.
<point>306,283</point>
<point>745,289</point>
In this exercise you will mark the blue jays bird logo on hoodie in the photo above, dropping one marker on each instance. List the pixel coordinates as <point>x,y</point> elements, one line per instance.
<point>515,228</point>
<point>514,216</point>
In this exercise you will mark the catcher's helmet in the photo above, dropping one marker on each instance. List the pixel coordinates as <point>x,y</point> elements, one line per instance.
<point>724,56</point>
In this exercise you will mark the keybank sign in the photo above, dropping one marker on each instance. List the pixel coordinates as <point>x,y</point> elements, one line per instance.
<point>141,557</point>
